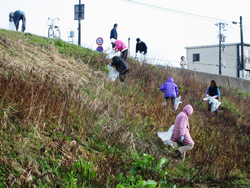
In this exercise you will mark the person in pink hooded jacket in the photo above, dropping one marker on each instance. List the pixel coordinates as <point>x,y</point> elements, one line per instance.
<point>181,133</point>
<point>121,47</point>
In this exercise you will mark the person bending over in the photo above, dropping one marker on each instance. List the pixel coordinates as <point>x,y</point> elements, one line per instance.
<point>16,17</point>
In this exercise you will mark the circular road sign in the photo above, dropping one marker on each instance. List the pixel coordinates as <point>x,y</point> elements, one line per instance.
<point>99,49</point>
<point>99,41</point>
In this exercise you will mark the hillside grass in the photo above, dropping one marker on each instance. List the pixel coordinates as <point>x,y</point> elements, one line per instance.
<point>63,124</point>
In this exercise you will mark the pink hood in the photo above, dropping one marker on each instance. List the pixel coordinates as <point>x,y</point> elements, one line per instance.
<point>188,109</point>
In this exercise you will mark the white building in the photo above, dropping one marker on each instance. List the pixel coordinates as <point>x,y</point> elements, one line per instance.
<point>206,59</point>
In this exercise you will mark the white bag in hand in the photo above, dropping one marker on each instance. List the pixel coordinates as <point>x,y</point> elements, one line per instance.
<point>12,26</point>
<point>214,103</point>
<point>142,58</point>
<point>112,54</point>
<point>166,136</point>
<point>113,74</point>
<point>177,101</point>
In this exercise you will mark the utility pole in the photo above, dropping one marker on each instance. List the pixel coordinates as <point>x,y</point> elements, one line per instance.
<point>221,39</point>
<point>242,49</point>
<point>242,67</point>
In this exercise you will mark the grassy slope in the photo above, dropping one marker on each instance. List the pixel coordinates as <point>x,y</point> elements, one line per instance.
<point>63,124</point>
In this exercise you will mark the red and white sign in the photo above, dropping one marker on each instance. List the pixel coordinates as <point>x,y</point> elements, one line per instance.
<point>99,41</point>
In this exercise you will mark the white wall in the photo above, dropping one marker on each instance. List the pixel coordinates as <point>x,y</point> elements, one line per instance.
<point>209,60</point>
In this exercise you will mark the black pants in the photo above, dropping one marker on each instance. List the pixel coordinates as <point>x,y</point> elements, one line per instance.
<point>172,99</point>
<point>122,75</point>
<point>124,55</point>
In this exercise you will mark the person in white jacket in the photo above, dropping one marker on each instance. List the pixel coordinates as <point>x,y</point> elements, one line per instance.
<point>183,63</point>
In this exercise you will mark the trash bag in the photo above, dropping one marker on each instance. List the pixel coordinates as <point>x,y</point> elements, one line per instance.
<point>215,103</point>
<point>166,136</point>
<point>12,26</point>
<point>112,53</point>
<point>177,101</point>
<point>113,74</point>
<point>142,58</point>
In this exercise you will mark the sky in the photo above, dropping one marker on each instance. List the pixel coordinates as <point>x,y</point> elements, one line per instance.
<point>167,27</point>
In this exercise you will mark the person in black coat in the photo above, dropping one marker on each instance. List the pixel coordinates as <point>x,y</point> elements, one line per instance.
<point>113,35</point>
<point>142,48</point>
<point>121,66</point>
<point>16,17</point>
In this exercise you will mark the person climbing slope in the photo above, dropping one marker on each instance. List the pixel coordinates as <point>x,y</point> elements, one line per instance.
<point>121,47</point>
<point>121,66</point>
<point>113,35</point>
<point>214,92</point>
<point>171,90</point>
<point>181,133</point>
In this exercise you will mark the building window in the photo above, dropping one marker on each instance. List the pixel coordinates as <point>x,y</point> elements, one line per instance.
<point>196,57</point>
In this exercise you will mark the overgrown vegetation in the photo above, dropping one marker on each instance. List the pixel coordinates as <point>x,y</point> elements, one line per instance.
<point>64,125</point>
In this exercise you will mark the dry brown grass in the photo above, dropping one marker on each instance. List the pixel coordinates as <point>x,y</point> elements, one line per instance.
<point>56,107</point>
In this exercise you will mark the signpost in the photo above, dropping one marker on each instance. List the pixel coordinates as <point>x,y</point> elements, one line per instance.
<point>79,15</point>
<point>99,41</point>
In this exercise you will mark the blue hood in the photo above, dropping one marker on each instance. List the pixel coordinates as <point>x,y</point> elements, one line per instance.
<point>170,79</point>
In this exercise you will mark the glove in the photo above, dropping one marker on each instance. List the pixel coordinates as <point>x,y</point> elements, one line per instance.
<point>207,95</point>
<point>214,96</point>
<point>181,138</point>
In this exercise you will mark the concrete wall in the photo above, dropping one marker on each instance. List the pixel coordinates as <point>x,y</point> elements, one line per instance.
<point>226,81</point>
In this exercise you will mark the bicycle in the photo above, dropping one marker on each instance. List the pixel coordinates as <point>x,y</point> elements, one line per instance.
<point>53,31</point>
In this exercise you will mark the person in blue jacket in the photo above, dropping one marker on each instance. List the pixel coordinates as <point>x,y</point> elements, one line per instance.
<point>214,92</point>
<point>113,35</point>
<point>16,17</point>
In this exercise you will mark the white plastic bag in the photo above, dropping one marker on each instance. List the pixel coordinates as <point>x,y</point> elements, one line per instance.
<point>112,53</point>
<point>12,26</point>
<point>177,101</point>
<point>215,103</point>
<point>113,74</point>
<point>166,136</point>
<point>142,57</point>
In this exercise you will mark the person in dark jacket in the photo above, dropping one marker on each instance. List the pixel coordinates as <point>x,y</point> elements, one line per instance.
<point>142,48</point>
<point>121,66</point>
<point>16,17</point>
<point>214,92</point>
<point>170,89</point>
<point>113,35</point>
